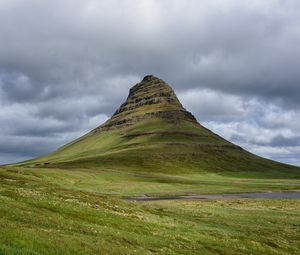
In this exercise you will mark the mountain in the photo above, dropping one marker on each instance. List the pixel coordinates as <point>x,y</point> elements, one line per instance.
<point>151,131</point>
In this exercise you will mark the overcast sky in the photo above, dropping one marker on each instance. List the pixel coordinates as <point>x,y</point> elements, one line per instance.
<point>66,65</point>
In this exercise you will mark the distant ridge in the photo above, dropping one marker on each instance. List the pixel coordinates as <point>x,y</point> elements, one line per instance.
<point>151,131</point>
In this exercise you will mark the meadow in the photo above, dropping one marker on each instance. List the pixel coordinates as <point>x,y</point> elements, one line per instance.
<point>81,211</point>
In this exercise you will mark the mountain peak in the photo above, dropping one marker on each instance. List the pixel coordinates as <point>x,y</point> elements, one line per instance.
<point>149,77</point>
<point>151,131</point>
<point>150,98</point>
<point>149,82</point>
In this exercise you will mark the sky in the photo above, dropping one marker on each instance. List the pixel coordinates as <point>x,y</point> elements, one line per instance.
<point>67,65</point>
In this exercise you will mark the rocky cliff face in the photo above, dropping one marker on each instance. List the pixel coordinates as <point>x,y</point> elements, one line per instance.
<point>151,98</point>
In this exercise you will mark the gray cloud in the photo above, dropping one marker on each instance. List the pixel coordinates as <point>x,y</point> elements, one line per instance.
<point>286,141</point>
<point>66,65</point>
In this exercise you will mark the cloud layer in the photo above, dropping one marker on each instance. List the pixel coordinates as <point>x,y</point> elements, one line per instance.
<point>66,65</point>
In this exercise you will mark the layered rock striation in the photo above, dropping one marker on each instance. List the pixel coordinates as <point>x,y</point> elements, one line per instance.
<point>151,98</point>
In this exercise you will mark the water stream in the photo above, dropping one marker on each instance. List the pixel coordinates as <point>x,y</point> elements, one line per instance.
<point>279,195</point>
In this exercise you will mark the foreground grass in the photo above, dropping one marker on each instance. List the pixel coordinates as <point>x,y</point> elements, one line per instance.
<point>52,211</point>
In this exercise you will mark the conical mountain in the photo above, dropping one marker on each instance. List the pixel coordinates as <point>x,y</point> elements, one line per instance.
<point>151,131</point>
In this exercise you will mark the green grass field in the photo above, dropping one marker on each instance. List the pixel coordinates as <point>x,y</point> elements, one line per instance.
<point>80,211</point>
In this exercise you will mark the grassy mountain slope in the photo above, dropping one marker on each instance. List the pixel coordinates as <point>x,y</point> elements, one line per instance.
<point>152,132</point>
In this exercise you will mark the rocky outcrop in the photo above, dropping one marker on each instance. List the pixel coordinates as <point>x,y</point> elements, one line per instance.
<point>151,98</point>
